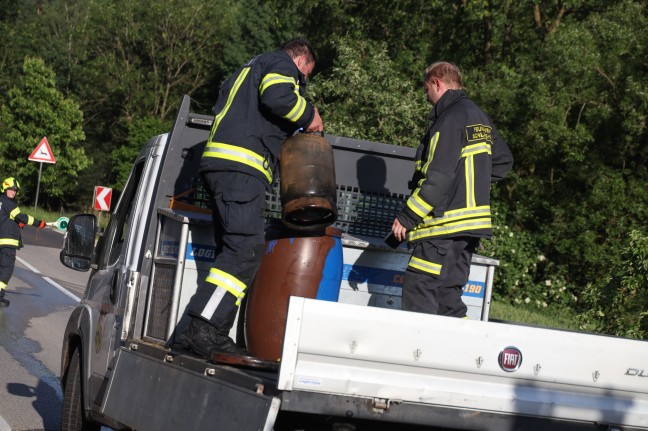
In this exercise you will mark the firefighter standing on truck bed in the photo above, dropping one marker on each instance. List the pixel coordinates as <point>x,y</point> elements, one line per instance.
<point>11,221</point>
<point>449,208</point>
<point>258,107</point>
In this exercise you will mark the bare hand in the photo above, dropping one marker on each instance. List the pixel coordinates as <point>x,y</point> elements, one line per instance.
<point>316,126</point>
<point>400,232</point>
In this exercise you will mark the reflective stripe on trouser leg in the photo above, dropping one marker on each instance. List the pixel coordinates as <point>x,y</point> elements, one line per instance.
<point>225,283</point>
<point>238,201</point>
<point>426,292</point>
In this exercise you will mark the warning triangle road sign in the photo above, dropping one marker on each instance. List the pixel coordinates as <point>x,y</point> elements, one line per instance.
<point>42,153</point>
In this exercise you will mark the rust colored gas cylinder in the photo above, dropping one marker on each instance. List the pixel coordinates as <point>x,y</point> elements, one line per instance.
<point>295,263</point>
<point>307,182</point>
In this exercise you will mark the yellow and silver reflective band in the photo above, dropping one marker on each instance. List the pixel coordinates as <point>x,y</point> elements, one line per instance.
<point>418,205</point>
<point>228,282</point>
<point>9,241</point>
<point>14,213</point>
<point>298,110</point>
<point>425,266</point>
<point>469,166</point>
<point>224,283</point>
<point>471,150</point>
<point>455,215</point>
<point>238,154</point>
<point>230,99</point>
<point>274,78</point>
<point>433,143</point>
<point>450,228</point>
<point>2,285</point>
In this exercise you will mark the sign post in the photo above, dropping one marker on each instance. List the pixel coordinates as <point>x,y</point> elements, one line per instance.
<point>43,154</point>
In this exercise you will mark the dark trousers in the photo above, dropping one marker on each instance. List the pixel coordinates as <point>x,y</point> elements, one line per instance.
<point>7,264</point>
<point>238,202</point>
<point>436,275</point>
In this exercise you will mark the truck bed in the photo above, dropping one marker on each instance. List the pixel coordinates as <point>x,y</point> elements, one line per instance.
<point>339,366</point>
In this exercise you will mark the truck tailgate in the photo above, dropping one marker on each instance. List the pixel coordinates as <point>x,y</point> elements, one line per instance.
<point>487,367</point>
<point>152,390</point>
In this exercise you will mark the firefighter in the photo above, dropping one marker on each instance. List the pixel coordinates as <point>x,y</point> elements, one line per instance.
<point>257,108</point>
<point>448,210</point>
<point>11,221</point>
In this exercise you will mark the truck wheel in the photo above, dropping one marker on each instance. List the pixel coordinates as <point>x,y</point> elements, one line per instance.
<point>72,416</point>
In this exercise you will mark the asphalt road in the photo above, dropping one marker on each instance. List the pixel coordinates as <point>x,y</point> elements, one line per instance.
<point>43,293</point>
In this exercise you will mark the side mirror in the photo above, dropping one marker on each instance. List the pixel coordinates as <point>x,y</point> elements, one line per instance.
<point>79,242</point>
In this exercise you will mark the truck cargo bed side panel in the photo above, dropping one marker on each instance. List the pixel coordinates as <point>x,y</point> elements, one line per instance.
<point>393,355</point>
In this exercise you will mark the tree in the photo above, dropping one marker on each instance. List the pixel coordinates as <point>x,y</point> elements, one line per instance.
<point>36,109</point>
<point>365,96</point>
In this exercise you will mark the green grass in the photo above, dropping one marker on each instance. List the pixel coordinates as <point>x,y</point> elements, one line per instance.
<point>48,216</point>
<point>552,318</point>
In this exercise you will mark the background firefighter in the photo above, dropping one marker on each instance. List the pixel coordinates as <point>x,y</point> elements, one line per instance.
<point>11,221</point>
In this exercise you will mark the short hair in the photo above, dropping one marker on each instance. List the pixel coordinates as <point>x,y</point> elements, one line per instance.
<point>446,72</point>
<point>299,46</point>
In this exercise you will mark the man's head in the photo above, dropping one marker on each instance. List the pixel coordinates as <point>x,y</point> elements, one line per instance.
<point>439,77</point>
<point>302,53</point>
<point>11,187</point>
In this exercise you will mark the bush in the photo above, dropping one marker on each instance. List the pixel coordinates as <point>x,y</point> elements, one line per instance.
<point>621,308</point>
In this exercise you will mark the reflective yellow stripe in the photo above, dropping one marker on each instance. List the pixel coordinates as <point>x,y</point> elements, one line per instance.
<point>458,214</point>
<point>30,220</point>
<point>275,78</point>
<point>9,241</point>
<point>228,282</point>
<point>433,143</point>
<point>449,228</point>
<point>238,154</point>
<point>230,99</point>
<point>425,266</point>
<point>469,168</point>
<point>2,285</point>
<point>14,213</point>
<point>298,110</point>
<point>418,205</point>
<point>469,153</point>
<point>300,105</point>
<point>471,150</point>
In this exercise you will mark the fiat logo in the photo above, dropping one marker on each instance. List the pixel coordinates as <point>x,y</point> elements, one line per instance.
<point>510,359</point>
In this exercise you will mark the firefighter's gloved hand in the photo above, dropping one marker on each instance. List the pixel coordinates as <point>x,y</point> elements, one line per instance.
<point>41,224</point>
<point>21,224</point>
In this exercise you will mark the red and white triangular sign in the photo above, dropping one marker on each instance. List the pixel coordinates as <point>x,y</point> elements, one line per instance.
<point>42,153</point>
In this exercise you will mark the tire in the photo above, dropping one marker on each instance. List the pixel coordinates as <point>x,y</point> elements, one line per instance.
<point>72,416</point>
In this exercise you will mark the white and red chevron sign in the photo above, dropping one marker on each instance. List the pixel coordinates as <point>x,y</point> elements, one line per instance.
<point>102,196</point>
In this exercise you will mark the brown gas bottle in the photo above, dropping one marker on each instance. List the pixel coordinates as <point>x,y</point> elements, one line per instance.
<point>307,183</point>
<point>295,263</point>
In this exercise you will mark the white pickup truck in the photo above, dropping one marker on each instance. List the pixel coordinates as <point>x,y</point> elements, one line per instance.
<point>356,364</point>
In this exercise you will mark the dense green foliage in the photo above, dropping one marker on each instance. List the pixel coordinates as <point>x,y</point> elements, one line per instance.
<point>564,80</point>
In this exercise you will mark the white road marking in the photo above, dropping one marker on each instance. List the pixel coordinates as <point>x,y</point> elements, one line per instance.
<point>50,281</point>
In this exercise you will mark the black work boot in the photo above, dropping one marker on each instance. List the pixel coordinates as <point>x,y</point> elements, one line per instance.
<point>4,302</point>
<point>204,339</point>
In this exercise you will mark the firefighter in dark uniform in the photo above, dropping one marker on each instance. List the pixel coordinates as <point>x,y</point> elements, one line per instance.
<point>258,107</point>
<point>11,221</point>
<point>448,210</point>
